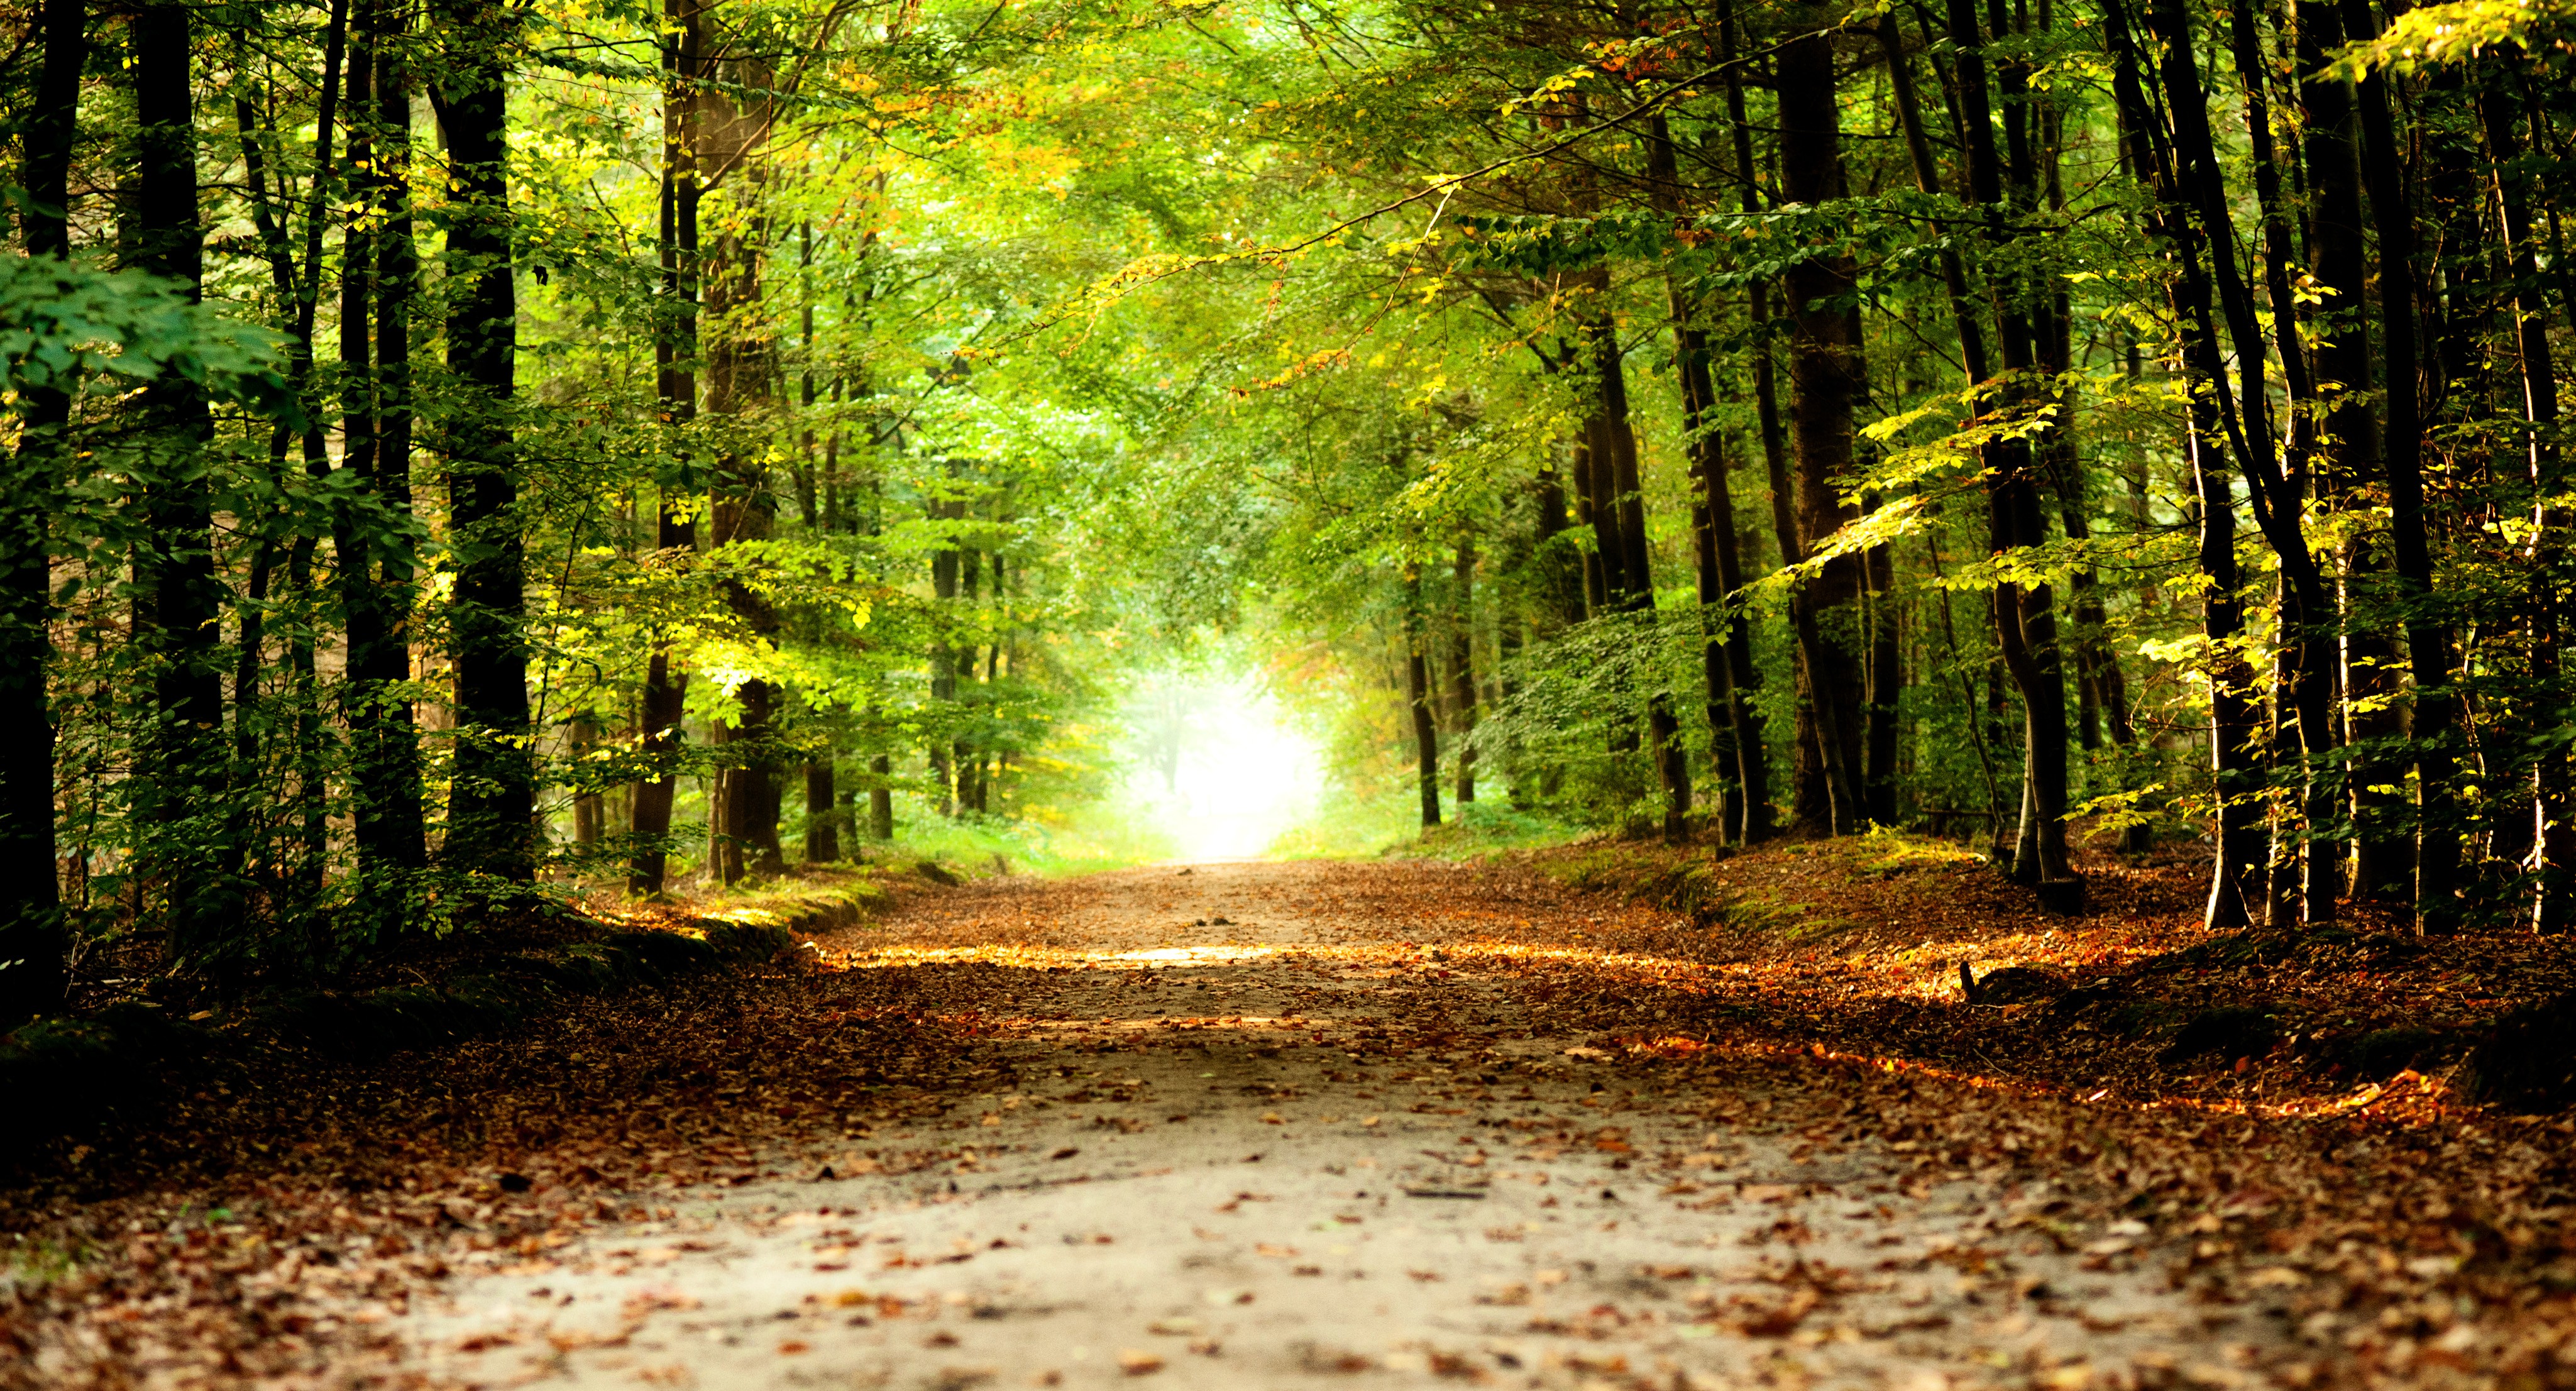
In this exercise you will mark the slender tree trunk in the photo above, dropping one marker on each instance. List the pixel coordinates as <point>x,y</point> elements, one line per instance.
<point>1565,576</point>
<point>2024,614</point>
<point>2309,626</point>
<point>2235,872</point>
<point>675,350</point>
<point>491,807</point>
<point>2553,852</point>
<point>355,526</point>
<point>2428,638</point>
<point>943,656</point>
<point>2381,857</point>
<point>1462,667</point>
<point>391,763</point>
<point>33,942</point>
<point>1885,683</point>
<point>589,809</point>
<point>1735,728</point>
<point>1417,677</point>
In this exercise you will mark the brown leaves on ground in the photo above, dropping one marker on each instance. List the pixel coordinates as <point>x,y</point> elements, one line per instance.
<point>286,1206</point>
<point>280,1212</point>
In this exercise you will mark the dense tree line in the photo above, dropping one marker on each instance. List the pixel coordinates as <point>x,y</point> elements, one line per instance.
<point>466,445</point>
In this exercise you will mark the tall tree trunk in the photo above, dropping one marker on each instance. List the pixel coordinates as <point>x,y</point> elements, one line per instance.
<point>1564,575</point>
<point>1885,681</point>
<point>1462,666</point>
<point>943,656</point>
<point>1814,798</point>
<point>1585,466</point>
<point>2024,614</point>
<point>741,506</point>
<point>2310,627</point>
<point>2235,872</point>
<point>390,763</point>
<point>178,592</point>
<point>675,351</point>
<point>1824,374</point>
<point>2428,638</point>
<point>2382,860</point>
<point>1417,678</point>
<point>356,527</point>
<point>492,804</point>
<point>1735,728</point>
<point>33,940</point>
<point>2553,851</point>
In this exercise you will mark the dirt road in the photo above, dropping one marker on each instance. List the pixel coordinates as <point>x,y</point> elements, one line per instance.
<point>1248,1125</point>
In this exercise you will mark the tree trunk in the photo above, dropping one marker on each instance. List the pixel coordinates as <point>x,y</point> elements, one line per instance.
<point>2428,639</point>
<point>33,940</point>
<point>589,810</point>
<point>675,351</point>
<point>2553,852</point>
<point>1735,728</point>
<point>2024,615</point>
<point>1417,676</point>
<point>492,802</point>
<point>881,798</point>
<point>1886,680</point>
<point>372,560</point>
<point>741,507</point>
<point>1824,373</point>
<point>943,656</point>
<point>2193,187</point>
<point>1462,667</point>
<point>822,814</point>
<point>178,593</point>
<point>2382,860</point>
<point>2235,871</point>
<point>2309,619</point>
<point>390,760</point>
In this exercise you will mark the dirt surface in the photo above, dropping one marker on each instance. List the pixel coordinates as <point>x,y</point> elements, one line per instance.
<point>1208,1167</point>
<point>1271,1125</point>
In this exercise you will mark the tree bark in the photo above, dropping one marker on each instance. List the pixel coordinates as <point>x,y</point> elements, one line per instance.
<point>1735,728</point>
<point>2428,638</point>
<point>1462,667</point>
<point>384,781</point>
<point>179,593</point>
<point>2381,859</point>
<point>491,808</point>
<point>33,941</point>
<point>2235,870</point>
<point>675,351</point>
<point>2024,615</point>
<point>2553,853</point>
<point>1824,374</point>
<point>1417,676</point>
<point>822,814</point>
<point>741,506</point>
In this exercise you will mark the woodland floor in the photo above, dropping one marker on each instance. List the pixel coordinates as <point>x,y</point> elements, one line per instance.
<point>1590,1119</point>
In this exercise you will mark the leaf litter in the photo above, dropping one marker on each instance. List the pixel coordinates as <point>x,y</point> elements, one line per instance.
<point>294,1220</point>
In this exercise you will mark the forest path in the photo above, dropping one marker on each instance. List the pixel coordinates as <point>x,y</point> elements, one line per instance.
<point>1271,1125</point>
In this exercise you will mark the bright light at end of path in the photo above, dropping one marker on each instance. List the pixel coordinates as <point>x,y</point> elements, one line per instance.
<point>1219,769</point>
